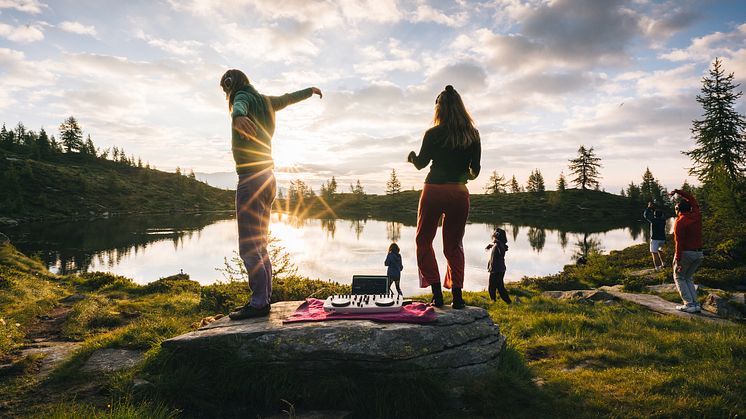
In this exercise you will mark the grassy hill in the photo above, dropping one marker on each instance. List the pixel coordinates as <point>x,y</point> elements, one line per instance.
<point>571,210</point>
<point>77,185</point>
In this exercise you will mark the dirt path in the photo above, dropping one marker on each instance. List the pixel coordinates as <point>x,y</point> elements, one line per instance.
<point>659,305</point>
<point>44,337</point>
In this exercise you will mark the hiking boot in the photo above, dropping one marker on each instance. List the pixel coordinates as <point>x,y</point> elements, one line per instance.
<point>248,311</point>
<point>688,309</point>
<point>437,300</point>
<point>458,301</point>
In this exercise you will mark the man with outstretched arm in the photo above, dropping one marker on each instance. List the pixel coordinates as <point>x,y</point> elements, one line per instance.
<point>687,233</point>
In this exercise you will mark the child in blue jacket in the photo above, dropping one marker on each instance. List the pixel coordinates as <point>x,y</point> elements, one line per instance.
<point>393,261</point>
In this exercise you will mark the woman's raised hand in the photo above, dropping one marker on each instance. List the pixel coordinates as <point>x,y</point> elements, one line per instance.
<point>316,91</point>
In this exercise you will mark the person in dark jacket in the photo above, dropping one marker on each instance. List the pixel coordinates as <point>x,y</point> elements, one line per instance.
<point>657,234</point>
<point>454,148</point>
<point>253,124</point>
<point>395,266</point>
<point>496,265</point>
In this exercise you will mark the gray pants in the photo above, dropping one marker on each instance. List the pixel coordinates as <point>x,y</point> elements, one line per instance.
<point>254,196</point>
<point>689,264</point>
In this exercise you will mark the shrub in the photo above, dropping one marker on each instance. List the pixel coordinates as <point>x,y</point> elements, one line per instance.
<point>556,282</point>
<point>637,283</point>
<point>173,284</point>
<point>223,297</point>
<point>99,280</point>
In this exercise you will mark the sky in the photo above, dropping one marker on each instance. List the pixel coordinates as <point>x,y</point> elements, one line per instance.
<point>539,77</point>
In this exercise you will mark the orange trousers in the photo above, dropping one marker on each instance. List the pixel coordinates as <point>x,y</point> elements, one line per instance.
<point>451,200</point>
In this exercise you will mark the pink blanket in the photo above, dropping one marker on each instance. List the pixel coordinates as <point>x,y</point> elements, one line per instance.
<point>313,311</point>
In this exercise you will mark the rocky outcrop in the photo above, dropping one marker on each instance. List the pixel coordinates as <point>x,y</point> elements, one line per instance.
<point>111,360</point>
<point>580,295</point>
<point>724,307</point>
<point>461,345</point>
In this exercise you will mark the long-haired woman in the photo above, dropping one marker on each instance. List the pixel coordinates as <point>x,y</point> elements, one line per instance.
<point>253,124</point>
<point>454,148</point>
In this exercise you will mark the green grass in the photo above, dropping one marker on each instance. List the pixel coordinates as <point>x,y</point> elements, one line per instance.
<point>616,360</point>
<point>69,185</point>
<point>563,359</point>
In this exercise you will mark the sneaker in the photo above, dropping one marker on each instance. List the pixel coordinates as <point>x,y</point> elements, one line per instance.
<point>247,312</point>
<point>688,309</point>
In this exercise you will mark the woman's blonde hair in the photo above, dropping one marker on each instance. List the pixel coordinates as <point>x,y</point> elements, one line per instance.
<point>451,112</point>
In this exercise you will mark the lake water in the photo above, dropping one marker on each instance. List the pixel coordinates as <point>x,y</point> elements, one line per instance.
<point>147,248</point>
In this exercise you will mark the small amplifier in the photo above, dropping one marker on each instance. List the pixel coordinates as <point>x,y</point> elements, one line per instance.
<point>363,303</point>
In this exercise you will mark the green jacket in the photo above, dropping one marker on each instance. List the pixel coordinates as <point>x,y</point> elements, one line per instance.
<point>255,154</point>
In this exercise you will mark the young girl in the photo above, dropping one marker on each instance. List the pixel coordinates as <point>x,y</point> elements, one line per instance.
<point>496,265</point>
<point>393,261</point>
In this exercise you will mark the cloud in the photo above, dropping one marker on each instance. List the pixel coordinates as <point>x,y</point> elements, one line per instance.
<point>78,28</point>
<point>289,45</point>
<point>21,34</point>
<point>26,6</point>
<point>171,46</point>
<point>425,13</point>
<point>667,19</point>
<point>707,47</point>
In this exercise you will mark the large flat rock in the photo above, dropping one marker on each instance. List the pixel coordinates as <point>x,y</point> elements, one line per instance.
<point>460,344</point>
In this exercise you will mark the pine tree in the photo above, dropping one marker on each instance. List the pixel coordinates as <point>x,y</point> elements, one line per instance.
<point>88,147</point>
<point>535,182</point>
<point>585,168</point>
<point>496,184</point>
<point>43,145</point>
<point>633,192</point>
<point>393,185</point>
<point>651,190</point>
<point>561,183</point>
<point>55,146</point>
<point>329,189</point>
<point>720,139</point>
<point>357,190</point>
<point>514,186</point>
<point>178,171</point>
<point>71,135</point>
<point>332,186</point>
<point>4,140</point>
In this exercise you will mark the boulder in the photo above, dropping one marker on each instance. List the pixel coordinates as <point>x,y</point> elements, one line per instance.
<point>111,360</point>
<point>8,222</point>
<point>580,295</point>
<point>662,288</point>
<point>722,307</point>
<point>459,347</point>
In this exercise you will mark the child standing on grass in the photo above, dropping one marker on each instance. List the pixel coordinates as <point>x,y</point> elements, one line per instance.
<point>496,265</point>
<point>393,261</point>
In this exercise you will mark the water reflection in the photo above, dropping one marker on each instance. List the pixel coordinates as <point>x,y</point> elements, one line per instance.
<point>329,225</point>
<point>146,248</point>
<point>586,247</point>
<point>357,226</point>
<point>68,247</point>
<point>393,231</point>
<point>537,237</point>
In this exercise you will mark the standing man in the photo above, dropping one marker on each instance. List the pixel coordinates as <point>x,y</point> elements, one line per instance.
<point>253,124</point>
<point>687,233</point>
<point>657,233</point>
